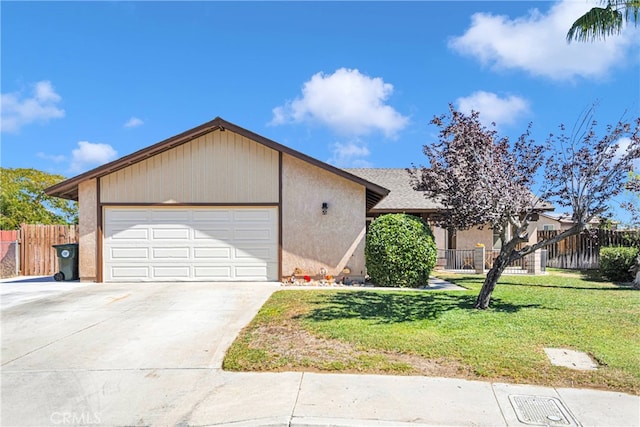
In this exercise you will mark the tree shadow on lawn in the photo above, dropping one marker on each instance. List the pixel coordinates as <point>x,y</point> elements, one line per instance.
<point>618,287</point>
<point>467,281</point>
<point>392,307</point>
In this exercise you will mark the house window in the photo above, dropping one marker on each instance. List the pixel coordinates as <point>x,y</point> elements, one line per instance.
<point>548,227</point>
<point>497,243</point>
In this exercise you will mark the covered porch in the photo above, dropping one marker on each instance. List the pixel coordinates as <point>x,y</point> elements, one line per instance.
<point>479,260</point>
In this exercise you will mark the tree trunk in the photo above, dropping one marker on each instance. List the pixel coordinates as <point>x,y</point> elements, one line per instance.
<point>500,264</point>
<point>636,270</point>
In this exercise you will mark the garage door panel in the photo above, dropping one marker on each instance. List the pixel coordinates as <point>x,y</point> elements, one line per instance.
<point>133,234</point>
<point>128,254</point>
<point>130,273</point>
<point>253,253</point>
<point>170,233</point>
<point>180,216</point>
<point>212,273</point>
<point>223,234</point>
<point>171,253</point>
<point>206,244</point>
<point>218,215</point>
<point>178,272</point>
<point>253,234</point>
<point>252,215</point>
<point>209,253</point>
<point>139,216</point>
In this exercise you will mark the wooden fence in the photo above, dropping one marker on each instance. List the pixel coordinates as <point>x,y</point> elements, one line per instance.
<point>582,251</point>
<point>37,255</point>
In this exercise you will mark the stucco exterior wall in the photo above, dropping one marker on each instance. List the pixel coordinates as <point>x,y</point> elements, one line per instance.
<point>87,226</point>
<point>467,239</point>
<point>440,237</point>
<point>312,241</point>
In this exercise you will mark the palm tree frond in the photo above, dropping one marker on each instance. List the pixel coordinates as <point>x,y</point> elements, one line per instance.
<point>598,23</point>
<point>632,11</point>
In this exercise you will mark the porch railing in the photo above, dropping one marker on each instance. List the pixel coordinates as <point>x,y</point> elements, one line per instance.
<point>454,259</point>
<point>464,260</point>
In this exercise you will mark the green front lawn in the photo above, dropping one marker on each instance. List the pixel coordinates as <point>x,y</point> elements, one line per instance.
<point>438,333</point>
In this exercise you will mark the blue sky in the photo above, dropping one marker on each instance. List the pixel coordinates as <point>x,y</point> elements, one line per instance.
<point>354,84</point>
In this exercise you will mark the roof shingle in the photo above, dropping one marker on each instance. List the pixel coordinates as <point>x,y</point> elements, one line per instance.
<point>402,197</point>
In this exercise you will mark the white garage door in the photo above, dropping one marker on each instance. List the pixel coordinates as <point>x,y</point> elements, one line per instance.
<point>190,244</point>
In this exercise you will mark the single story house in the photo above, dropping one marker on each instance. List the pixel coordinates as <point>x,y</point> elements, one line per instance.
<point>219,203</point>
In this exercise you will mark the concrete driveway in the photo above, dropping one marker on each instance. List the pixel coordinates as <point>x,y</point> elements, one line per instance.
<point>117,354</point>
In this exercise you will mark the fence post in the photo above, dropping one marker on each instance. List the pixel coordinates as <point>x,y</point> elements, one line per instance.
<point>534,266</point>
<point>16,252</point>
<point>478,259</point>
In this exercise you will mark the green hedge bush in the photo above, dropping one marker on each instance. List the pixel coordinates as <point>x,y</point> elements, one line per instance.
<point>400,251</point>
<point>615,263</point>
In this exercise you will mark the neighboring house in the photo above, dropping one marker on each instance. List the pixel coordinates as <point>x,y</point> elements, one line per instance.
<point>403,198</point>
<point>219,202</point>
<point>560,222</point>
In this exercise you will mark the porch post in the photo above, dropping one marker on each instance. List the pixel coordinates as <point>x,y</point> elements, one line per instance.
<point>478,259</point>
<point>534,266</point>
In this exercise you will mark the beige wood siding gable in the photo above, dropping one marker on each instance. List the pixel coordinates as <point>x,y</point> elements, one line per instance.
<point>219,167</point>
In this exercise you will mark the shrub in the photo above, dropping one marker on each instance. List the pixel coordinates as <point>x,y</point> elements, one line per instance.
<point>615,263</point>
<point>400,251</point>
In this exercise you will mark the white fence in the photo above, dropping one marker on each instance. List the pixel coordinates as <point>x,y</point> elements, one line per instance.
<point>469,260</point>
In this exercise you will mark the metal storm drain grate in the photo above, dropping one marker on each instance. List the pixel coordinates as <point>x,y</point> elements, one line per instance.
<point>541,411</point>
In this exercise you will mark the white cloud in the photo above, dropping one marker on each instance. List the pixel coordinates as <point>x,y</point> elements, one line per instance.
<point>536,43</point>
<point>348,102</point>
<point>89,154</point>
<point>492,108</point>
<point>18,111</point>
<point>350,154</point>
<point>133,122</point>
<point>623,146</point>
<point>55,158</point>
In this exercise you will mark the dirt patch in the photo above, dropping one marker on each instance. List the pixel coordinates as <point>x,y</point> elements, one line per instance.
<point>294,348</point>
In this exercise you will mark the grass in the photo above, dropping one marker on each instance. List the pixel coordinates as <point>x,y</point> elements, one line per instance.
<point>438,333</point>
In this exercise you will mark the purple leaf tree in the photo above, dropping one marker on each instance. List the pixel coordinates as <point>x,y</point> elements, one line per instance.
<point>484,180</point>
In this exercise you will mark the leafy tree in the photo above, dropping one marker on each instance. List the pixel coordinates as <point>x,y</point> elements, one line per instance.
<point>22,199</point>
<point>484,180</point>
<point>600,22</point>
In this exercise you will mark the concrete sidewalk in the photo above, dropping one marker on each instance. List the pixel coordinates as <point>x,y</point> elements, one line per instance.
<point>199,397</point>
<point>311,399</point>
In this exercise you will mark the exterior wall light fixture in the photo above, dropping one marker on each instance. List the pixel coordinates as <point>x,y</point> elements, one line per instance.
<point>325,208</point>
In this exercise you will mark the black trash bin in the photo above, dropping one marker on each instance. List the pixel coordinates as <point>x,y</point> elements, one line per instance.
<point>67,262</point>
